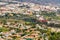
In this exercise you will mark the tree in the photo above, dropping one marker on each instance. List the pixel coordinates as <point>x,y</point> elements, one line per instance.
<point>29,39</point>
<point>55,36</point>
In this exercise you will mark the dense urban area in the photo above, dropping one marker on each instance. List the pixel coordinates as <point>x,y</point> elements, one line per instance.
<point>29,21</point>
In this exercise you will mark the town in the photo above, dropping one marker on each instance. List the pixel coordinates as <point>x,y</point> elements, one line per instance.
<point>29,21</point>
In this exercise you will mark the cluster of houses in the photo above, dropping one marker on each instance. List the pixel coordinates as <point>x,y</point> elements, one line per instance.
<point>20,30</point>
<point>25,8</point>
